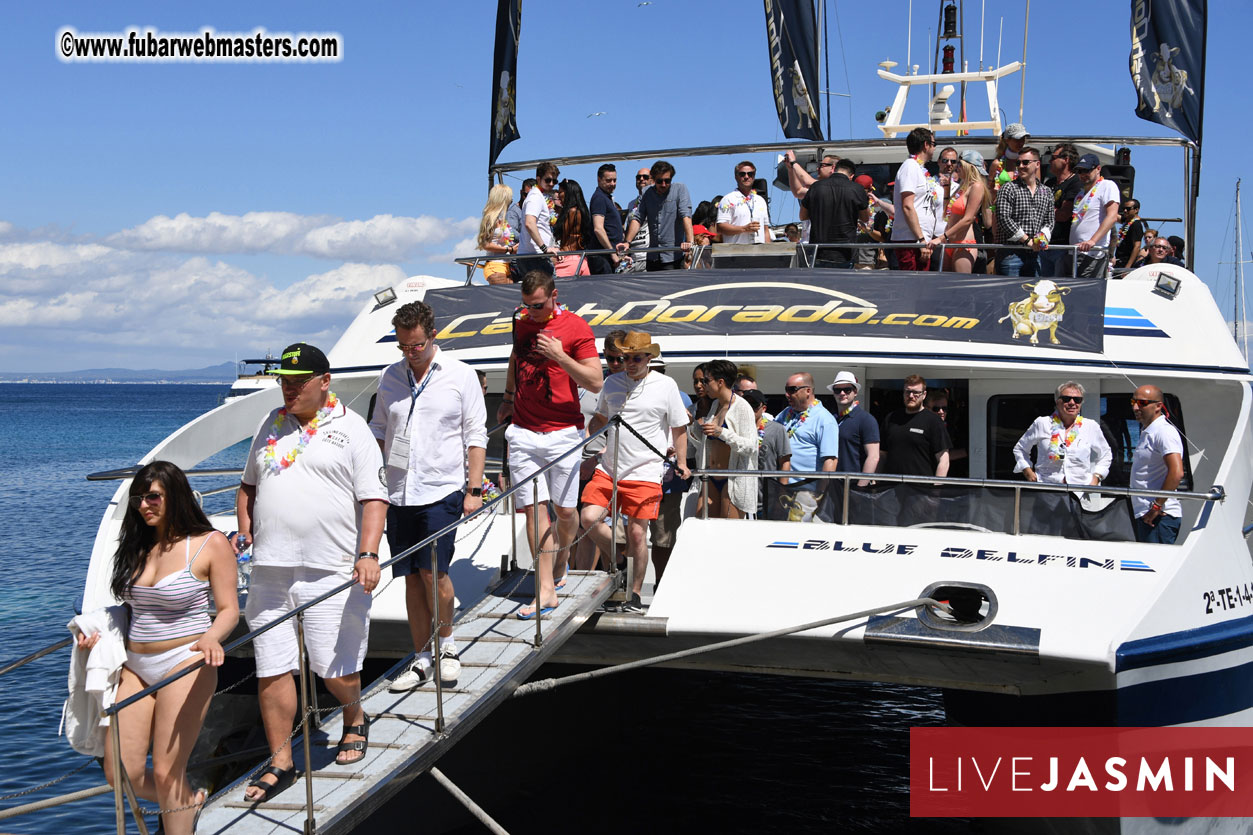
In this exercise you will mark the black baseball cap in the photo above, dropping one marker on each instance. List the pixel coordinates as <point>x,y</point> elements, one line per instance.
<point>302,358</point>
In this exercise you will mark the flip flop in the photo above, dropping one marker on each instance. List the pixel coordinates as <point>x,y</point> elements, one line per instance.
<point>524,616</point>
<point>561,584</point>
<point>285,778</point>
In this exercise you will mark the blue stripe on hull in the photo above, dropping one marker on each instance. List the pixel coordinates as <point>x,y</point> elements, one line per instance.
<point>1193,698</point>
<point>1188,645</point>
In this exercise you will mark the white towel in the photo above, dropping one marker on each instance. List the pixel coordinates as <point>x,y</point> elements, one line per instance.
<point>93,678</point>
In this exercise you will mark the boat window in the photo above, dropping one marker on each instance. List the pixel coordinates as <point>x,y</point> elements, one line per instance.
<point>1009,415</point>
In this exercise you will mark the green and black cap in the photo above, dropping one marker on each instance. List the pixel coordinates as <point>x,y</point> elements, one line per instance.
<point>302,358</point>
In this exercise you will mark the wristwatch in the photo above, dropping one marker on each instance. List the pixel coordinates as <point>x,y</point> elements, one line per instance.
<point>367,555</point>
<point>476,491</point>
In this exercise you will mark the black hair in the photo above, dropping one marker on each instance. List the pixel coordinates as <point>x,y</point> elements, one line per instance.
<point>918,139</point>
<point>183,518</point>
<point>605,169</point>
<point>846,165</point>
<point>723,370</point>
<point>754,398</point>
<point>574,223</point>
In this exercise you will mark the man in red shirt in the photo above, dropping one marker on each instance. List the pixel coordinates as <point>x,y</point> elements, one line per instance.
<point>554,353</point>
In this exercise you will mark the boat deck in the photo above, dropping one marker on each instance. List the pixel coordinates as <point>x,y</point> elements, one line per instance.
<point>498,652</point>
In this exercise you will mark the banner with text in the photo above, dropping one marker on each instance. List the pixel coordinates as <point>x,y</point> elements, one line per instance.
<point>1067,314</point>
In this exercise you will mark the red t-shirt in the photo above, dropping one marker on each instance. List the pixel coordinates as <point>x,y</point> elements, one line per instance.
<point>547,398</point>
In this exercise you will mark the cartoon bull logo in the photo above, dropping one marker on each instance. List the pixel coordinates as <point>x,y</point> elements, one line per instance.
<point>1042,310</point>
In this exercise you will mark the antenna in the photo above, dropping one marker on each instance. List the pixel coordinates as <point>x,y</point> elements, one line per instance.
<point>1022,90</point>
<point>1240,312</point>
<point>909,36</point>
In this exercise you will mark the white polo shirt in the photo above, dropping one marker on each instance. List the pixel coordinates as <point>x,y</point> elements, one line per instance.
<point>448,417</point>
<point>738,210</point>
<point>309,514</point>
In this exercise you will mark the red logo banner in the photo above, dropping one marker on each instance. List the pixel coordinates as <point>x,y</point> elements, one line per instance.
<point>1080,772</point>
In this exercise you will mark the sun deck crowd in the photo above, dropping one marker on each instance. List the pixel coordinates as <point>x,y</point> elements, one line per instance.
<point>937,200</point>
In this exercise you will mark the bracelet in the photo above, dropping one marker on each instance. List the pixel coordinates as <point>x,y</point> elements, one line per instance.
<point>1158,506</point>
<point>506,399</point>
<point>367,555</point>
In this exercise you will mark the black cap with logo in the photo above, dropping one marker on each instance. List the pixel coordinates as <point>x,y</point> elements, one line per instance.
<point>302,358</point>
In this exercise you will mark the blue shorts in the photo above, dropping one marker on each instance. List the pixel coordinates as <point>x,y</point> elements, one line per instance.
<point>409,525</point>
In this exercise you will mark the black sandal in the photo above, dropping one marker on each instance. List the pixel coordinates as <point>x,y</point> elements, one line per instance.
<point>286,776</point>
<point>361,745</point>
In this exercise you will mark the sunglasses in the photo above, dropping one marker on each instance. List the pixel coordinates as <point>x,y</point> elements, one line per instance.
<point>638,358</point>
<point>826,164</point>
<point>639,177</point>
<point>1141,402</point>
<point>913,393</point>
<point>614,360</point>
<point>417,346</point>
<point>1069,398</point>
<point>664,182</point>
<point>550,180</point>
<point>844,390</point>
<point>794,389</point>
<point>939,408</point>
<point>749,174</point>
<point>538,305</point>
<point>147,498</point>
<point>698,381</point>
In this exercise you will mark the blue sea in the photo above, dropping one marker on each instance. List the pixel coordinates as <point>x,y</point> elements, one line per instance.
<point>655,750</point>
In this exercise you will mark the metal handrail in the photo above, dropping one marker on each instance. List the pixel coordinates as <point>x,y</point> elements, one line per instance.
<point>36,655</point>
<point>473,262</point>
<point>1214,494</point>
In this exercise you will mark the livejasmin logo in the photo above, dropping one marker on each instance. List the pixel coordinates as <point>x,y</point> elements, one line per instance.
<point>1081,772</point>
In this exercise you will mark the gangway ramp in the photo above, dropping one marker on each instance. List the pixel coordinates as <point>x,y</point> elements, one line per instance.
<point>498,652</point>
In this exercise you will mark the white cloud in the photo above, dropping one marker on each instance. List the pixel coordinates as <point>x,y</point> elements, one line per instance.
<point>381,238</point>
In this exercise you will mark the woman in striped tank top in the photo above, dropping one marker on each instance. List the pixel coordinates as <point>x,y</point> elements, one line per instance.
<point>168,558</point>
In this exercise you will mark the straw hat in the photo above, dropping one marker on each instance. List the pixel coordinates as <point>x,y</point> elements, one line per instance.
<point>637,342</point>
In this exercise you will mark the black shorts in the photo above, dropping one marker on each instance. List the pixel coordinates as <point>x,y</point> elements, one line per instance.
<point>409,525</point>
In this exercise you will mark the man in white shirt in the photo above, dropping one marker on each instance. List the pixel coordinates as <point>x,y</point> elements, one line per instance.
<point>1094,216</point>
<point>430,423</point>
<point>311,503</point>
<point>539,218</point>
<point>1156,465</point>
<point>650,403</point>
<point>916,202</point>
<point>743,217</point>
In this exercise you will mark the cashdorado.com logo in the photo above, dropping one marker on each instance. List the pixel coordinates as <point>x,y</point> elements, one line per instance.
<point>1081,772</point>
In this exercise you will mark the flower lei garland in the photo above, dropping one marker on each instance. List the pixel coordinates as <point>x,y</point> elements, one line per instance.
<point>490,491</point>
<point>1081,209</point>
<point>932,184</point>
<point>794,423</point>
<point>1039,238</point>
<point>275,464</point>
<point>761,432</point>
<point>552,209</point>
<point>505,234</point>
<point>1055,439</point>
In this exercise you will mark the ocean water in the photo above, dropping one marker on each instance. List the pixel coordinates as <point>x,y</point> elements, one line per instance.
<point>655,750</point>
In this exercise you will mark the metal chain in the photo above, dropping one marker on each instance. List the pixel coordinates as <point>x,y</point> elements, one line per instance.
<point>51,782</point>
<point>231,687</point>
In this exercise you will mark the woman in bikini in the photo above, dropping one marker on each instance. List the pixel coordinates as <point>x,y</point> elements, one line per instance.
<point>168,559</point>
<point>963,212</point>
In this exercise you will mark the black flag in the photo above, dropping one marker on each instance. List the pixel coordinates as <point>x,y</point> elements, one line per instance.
<point>792,37</point>
<point>1168,63</point>
<point>504,77</point>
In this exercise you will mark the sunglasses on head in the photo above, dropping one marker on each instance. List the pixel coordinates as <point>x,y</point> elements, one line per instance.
<point>147,498</point>
<point>793,389</point>
<point>1070,398</point>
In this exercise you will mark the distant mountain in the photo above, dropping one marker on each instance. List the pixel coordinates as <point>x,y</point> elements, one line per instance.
<point>224,374</point>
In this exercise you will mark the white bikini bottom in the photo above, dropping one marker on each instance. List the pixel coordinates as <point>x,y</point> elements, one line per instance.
<point>153,667</point>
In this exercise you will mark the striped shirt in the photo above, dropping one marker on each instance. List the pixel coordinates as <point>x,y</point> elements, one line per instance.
<point>176,606</point>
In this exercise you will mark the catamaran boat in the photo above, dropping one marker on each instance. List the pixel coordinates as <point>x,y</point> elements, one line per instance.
<point>1023,605</point>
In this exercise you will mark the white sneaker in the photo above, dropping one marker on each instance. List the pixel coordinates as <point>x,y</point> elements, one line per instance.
<point>449,665</point>
<point>412,678</point>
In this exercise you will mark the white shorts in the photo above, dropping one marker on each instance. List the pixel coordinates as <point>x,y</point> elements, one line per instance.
<point>529,451</point>
<point>336,630</point>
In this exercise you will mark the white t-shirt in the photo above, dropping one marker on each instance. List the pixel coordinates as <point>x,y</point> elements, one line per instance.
<point>309,514</point>
<point>1089,207</point>
<point>536,206</point>
<point>652,407</point>
<point>738,210</point>
<point>448,418</point>
<point>912,177</point>
<point>1148,465</point>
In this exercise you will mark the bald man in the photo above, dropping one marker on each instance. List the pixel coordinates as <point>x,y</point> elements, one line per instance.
<point>643,179</point>
<point>1156,465</point>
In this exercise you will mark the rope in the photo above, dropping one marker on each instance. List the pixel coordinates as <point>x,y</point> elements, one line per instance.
<point>544,685</point>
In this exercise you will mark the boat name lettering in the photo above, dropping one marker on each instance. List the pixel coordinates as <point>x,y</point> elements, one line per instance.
<point>1244,595</point>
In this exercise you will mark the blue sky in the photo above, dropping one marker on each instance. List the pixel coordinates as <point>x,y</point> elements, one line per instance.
<point>174,215</point>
